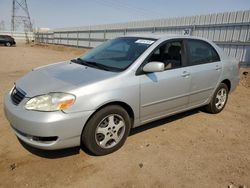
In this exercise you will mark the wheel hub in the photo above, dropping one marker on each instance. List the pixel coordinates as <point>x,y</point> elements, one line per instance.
<point>110,131</point>
<point>221,98</point>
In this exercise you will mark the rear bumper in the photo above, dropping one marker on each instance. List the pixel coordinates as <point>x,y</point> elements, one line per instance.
<point>234,83</point>
<point>30,126</point>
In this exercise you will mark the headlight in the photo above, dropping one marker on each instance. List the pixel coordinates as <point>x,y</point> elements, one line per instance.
<point>50,102</point>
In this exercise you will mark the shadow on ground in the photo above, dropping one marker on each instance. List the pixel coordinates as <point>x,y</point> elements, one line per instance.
<point>163,121</point>
<point>54,154</point>
<point>50,154</point>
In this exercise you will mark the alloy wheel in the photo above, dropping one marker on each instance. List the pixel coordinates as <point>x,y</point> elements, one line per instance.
<point>110,131</point>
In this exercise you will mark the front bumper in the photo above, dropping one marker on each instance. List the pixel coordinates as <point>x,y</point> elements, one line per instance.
<point>64,128</point>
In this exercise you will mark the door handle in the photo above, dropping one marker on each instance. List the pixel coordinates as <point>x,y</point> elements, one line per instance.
<point>185,74</point>
<point>218,67</point>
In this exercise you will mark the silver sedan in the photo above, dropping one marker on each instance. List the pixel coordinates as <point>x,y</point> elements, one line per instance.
<point>126,82</point>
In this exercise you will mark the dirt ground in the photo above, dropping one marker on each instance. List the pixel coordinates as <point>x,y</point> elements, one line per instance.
<point>192,149</point>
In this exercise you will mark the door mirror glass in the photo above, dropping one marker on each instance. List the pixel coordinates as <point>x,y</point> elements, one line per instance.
<point>154,67</point>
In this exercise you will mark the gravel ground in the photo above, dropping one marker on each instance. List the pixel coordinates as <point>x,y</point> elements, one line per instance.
<point>192,149</point>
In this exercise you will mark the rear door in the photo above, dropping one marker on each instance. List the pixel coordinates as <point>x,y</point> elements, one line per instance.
<point>162,93</point>
<point>205,67</point>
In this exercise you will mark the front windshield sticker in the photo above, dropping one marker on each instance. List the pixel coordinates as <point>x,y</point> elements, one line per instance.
<point>143,41</point>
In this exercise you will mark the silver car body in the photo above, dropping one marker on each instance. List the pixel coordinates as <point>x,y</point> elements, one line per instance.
<point>147,97</point>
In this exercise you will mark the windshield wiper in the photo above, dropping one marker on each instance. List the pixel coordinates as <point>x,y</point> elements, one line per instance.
<point>94,64</point>
<point>78,61</point>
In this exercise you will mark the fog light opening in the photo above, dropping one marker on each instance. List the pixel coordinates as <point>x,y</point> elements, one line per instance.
<point>43,139</point>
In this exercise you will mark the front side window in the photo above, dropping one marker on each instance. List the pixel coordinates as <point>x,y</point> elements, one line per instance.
<point>201,52</point>
<point>118,54</point>
<point>169,53</point>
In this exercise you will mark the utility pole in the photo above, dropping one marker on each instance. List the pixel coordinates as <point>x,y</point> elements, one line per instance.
<point>21,16</point>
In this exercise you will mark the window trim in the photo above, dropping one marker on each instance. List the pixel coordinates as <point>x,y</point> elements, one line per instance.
<point>184,56</point>
<point>188,52</point>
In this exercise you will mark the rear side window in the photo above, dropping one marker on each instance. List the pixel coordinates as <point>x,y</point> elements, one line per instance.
<point>201,52</point>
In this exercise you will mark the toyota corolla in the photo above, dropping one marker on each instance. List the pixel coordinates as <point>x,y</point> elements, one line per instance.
<point>126,82</point>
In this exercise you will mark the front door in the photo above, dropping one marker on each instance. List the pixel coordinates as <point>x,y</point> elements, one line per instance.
<point>163,93</point>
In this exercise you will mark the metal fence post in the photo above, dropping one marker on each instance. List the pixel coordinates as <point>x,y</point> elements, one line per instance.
<point>89,38</point>
<point>77,39</point>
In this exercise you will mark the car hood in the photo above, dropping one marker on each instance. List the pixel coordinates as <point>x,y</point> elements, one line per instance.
<point>60,77</point>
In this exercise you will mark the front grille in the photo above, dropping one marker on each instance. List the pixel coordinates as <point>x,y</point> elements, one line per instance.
<point>17,96</point>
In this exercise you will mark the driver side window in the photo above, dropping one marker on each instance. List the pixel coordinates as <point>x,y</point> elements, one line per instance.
<point>169,53</point>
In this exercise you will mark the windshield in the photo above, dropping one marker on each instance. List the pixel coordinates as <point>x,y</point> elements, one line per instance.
<point>117,54</point>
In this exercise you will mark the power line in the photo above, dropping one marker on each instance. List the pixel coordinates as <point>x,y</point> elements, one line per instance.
<point>122,7</point>
<point>150,12</point>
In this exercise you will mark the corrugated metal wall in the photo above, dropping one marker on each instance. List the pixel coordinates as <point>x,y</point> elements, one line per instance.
<point>230,30</point>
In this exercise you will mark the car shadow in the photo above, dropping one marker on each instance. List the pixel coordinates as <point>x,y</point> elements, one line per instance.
<point>55,154</point>
<point>163,121</point>
<point>50,154</point>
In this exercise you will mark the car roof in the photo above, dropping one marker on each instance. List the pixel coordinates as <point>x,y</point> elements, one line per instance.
<point>5,35</point>
<point>164,36</point>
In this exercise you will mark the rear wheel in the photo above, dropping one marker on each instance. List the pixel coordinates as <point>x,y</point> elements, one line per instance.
<point>7,44</point>
<point>107,130</point>
<point>219,100</point>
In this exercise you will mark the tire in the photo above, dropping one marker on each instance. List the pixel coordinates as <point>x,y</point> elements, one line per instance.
<point>107,130</point>
<point>7,44</point>
<point>219,99</point>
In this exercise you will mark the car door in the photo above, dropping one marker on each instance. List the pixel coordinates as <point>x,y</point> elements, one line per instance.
<point>2,39</point>
<point>205,67</point>
<point>163,93</point>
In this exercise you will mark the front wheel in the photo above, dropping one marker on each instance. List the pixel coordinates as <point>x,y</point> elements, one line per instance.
<point>7,44</point>
<point>219,100</point>
<point>107,130</point>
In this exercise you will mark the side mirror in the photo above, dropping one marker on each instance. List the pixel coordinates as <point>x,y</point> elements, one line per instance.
<point>154,67</point>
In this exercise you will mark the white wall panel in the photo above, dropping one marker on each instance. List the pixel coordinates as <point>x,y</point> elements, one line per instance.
<point>83,35</point>
<point>83,43</point>
<point>223,34</point>
<point>239,16</point>
<point>72,35</point>
<point>97,35</point>
<point>243,33</point>
<point>94,44</point>
<point>72,42</point>
<point>211,34</point>
<point>239,54</point>
<point>110,35</point>
<point>229,34</point>
<point>246,16</point>
<point>219,18</point>
<point>236,34</point>
<point>63,41</point>
<point>57,35</point>
<point>226,17</point>
<point>233,50</point>
<point>232,17</point>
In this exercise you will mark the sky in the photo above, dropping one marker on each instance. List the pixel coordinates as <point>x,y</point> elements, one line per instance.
<point>74,13</point>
